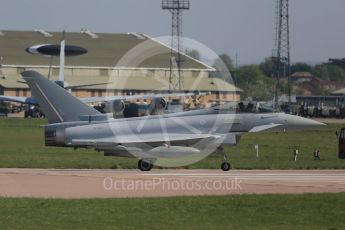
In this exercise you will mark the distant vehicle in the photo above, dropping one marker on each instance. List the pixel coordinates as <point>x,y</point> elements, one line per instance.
<point>320,106</point>
<point>33,112</point>
<point>4,110</point>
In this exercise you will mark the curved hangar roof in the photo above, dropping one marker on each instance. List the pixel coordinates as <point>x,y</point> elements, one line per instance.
<point>104,50</point>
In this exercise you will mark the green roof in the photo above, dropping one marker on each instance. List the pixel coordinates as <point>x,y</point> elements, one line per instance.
<point>105,51</point>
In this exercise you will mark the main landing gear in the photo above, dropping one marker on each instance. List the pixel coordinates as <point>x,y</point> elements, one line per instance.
<point>225,166</point>
<point>145,165</point>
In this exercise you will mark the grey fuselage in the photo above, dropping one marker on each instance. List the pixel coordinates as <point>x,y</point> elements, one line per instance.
<point>62,134</point>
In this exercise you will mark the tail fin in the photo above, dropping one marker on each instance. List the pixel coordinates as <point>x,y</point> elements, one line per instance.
<point>56,103</point>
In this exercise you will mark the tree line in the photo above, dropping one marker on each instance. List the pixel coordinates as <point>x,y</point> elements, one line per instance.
<point>258,82</point>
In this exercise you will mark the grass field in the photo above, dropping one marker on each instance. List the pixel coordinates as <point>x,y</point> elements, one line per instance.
<point>324,211</point>
<point>22,146</point>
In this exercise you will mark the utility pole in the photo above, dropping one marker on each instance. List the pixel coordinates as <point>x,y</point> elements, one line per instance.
<point>1,61</point>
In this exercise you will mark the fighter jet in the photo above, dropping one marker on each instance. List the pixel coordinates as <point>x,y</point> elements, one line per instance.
<point>163,140</point>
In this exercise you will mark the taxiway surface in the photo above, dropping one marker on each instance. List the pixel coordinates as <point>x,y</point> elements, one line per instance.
<point>50,183</point>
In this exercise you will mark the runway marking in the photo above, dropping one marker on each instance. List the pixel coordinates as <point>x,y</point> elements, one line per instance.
<point>252,175</point>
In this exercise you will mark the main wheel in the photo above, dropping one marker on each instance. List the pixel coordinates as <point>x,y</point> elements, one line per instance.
<point>145,165</point>
<point>225,166</point>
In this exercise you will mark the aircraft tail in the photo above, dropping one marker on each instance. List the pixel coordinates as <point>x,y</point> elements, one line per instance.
<point>56,103</point>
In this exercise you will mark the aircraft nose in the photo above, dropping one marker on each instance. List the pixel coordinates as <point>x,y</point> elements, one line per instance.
<point>301,122</point>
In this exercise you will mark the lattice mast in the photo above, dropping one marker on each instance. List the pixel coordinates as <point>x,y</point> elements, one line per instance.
<point>176,7</point>
<point>281,51</point>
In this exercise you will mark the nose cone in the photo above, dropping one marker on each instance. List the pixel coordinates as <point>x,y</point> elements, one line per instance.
<point>297,123</point>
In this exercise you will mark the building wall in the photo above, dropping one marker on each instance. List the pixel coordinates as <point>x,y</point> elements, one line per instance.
<point>116,74</point>
<point>94,72</point>
<point>206,100</point>
<point>17,92</point>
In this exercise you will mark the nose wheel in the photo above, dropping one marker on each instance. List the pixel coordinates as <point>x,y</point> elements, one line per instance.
<point>145,165</point>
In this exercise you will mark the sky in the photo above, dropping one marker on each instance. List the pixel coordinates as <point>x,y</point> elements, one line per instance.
<point>242,27</point>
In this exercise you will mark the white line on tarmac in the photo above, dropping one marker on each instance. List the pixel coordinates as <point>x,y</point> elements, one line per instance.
<point>251,175</point>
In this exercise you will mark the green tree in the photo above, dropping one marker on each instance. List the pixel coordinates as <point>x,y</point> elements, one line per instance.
<point>329,72</point>
<point>224,63</point>
<point>224,68</point>
<point>338,62</point>
<point>255,83</point>
<point>267,67</point>
<point>193,53</point>
<point>301,67</point>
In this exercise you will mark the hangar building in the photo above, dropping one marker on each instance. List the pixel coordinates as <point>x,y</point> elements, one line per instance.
<point>132,63</point>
